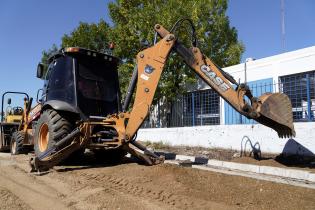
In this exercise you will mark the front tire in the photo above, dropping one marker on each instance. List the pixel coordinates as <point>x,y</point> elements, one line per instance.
<point>16,144</point>
<point>51,128</point>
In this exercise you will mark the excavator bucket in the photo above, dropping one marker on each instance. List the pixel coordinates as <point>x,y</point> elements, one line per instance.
<point>276,113</point>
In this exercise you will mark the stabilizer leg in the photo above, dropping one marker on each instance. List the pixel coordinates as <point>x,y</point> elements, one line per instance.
<point>148,157</point>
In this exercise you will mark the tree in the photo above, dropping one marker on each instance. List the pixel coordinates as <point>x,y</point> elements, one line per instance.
<point>91,36</point>
<point>134,20</point>
<point>46,55</point>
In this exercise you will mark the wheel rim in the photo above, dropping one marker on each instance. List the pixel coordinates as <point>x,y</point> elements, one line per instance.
<point>43,137</point>
<point>13,147</point>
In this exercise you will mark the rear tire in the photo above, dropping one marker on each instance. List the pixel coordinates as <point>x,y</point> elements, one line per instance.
<point>50,128</point>
<point>16,144</point>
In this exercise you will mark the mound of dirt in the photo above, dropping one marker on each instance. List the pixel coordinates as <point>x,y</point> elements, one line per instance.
<point>263,162</point>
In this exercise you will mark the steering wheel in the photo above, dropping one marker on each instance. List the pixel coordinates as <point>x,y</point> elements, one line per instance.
<point>17,110</point>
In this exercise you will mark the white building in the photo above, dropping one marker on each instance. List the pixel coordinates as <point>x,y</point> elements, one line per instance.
<point>292,73</point>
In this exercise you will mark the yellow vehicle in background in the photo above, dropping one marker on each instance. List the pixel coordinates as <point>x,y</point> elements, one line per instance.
<point>14,114</point>
<point>16,126</point>
<point>10,119</point>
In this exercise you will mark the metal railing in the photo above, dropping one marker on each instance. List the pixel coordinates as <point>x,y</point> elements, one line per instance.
<point>196,108</point>
<point>203,107</point>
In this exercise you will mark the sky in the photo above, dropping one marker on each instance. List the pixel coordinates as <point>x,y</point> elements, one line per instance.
<point>29,27</point>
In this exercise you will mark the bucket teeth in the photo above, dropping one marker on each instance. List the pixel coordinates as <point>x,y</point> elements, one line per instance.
<point>276,113</point>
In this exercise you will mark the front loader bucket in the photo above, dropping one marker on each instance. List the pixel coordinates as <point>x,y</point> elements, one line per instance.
<point>276,113</point>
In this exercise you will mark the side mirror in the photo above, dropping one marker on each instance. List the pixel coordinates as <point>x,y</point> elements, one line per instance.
<point>40,70</point>
<point>9,101</point>
<point>39,94</point>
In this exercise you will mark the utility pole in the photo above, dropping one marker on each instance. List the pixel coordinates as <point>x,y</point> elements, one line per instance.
<point>245,67</point>
<point>282,26</point>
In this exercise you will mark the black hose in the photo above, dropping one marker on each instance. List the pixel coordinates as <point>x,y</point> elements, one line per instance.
<point>131,88</point>
<point>179,22</point>
<point>194,44</point>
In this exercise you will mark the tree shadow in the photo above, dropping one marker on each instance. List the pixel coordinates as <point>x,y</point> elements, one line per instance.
<point>88,161</point>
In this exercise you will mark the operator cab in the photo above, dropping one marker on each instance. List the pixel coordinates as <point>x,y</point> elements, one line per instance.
<point>81,81</point>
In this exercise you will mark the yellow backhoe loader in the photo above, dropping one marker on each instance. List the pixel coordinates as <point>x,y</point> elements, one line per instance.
<point>10,119</point>
<point>22,140</point>
<point>81,101</point>
<point>16,126</point>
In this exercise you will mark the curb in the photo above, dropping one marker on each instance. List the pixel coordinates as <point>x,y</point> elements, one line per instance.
<point>191,161</point>
<point>267,170</point>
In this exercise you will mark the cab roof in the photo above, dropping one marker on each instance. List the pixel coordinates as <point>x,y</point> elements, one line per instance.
<point>84,52</point>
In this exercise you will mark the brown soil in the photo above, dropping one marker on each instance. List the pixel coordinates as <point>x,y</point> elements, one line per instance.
<point>265,162</point>
<point>92,185</point>
<point>10,201</point>
<point>219,154</point>
<point>210,153</point>
<point>292,162</point>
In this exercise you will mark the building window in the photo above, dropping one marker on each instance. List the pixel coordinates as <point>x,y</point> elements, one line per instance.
<point>301,90</point>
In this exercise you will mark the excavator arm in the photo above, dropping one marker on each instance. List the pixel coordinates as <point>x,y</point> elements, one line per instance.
<point>150,65</point>
<point>271,109</point>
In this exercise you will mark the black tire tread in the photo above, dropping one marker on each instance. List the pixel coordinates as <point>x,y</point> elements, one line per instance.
<point>58,127</point>
<point>18,137</point>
